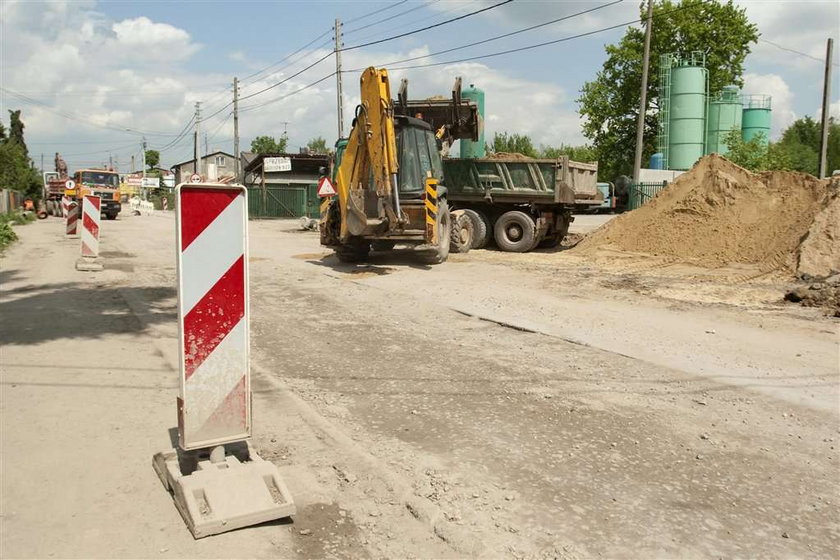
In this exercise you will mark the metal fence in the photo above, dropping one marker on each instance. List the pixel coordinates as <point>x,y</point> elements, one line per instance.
<point>641,193</point>
<point>283,202</point>
<point>10,200</point>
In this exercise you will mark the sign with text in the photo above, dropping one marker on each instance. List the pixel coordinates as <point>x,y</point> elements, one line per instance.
<point>275,164</point>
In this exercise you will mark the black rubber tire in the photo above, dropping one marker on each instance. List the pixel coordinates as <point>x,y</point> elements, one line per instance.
<point>356,250</point>
<point>515,232</point>
<point>463,234</point>
<point>111,216</point>
<point>481,228</point>
<point>444,235</point>
<point>382,245</point>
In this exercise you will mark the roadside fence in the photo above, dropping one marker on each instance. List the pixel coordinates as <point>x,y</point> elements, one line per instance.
<point>641,193</point>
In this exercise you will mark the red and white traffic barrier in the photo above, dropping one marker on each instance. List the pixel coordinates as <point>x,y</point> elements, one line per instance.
<point>91,216</point>
<point>214,405</point>
<point>213,314</point>
<point>72,220</point>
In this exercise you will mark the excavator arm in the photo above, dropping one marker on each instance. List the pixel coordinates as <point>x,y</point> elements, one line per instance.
<point>370,158</point>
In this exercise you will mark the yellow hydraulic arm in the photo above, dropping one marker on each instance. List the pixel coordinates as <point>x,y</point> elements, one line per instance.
<point>370,158</point>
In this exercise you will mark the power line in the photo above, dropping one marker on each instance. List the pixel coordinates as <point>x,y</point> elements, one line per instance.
<point>258,72</point>
<point>257,106</point>
<point>71,116</point>
<point>794,51</point>
<point>394,5</point>
<point>497,37</point>
<point>395,16</point>
<point>250,95</point>
<point>180,134</point>
<point>457,8</point>
<point>407,33</point>
<point>537,45</point>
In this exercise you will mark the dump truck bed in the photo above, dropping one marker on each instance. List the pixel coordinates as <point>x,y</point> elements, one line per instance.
<point>523,180</point>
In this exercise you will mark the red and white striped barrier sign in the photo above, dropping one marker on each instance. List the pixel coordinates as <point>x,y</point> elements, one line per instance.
<point>65,206</point>
<point>91,215</point>
<point>212,231</point>
<point>72,219</point>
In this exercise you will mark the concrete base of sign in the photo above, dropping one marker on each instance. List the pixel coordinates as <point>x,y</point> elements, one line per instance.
<point>239,491</point>
<point>87,264</point>
<point>71,236</point>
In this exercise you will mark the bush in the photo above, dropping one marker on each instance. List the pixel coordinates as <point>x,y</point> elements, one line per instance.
<point>7,235</point>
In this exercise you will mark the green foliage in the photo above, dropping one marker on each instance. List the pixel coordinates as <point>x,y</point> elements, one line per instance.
<point>755,155</point>
<point>15,217</point>
<point>269,145</point>
<point>16,130</point>
<point>16,170</point>
<point>575,153</point>
<point>152,158</point>
<point>318,145</point>
<point>609,104</point>
<point>514,144</point>
<point>801,142</point>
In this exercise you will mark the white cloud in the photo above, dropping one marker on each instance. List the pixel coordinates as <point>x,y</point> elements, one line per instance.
<point>149,40</point>
<point>774,85</point>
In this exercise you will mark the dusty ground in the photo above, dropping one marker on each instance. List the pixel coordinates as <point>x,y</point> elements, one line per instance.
<point>498,405</point>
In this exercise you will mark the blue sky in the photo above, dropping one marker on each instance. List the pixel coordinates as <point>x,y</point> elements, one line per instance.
<point>94,69</point>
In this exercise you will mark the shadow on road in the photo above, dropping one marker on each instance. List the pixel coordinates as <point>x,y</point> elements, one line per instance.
<point>69,311</point>
<point>378,262</point>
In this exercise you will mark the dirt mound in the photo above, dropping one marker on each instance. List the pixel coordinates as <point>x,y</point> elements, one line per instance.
<point>718,214</point>
<point>819,255</point>
<point>509,155</point>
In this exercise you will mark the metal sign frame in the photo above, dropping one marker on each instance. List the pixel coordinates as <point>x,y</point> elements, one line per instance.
<point>189,400</point>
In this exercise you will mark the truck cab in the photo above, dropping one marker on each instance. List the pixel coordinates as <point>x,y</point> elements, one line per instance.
<point>102,183</point>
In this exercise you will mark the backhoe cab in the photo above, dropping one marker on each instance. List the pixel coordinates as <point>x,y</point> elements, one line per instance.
<point>389,183</point>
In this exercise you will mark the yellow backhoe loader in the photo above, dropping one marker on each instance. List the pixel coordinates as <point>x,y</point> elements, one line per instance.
<point>388,182</point>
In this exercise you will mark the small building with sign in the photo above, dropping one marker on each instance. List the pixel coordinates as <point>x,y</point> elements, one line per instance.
<point>216,166</point>
<point>284,185</point>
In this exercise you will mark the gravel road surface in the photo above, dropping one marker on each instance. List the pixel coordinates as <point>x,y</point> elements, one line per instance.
<point>491,406</point>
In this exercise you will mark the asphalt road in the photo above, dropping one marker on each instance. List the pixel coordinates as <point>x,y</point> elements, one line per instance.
<point>476,408</point>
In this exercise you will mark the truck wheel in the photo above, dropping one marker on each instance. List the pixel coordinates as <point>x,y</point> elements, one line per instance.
<point>462,233</point>
<point>383,245</point>
<point>355,251</point>
<point>515,232</point>
<point>444,235</point>
<point>550,242</point>
<point>481,228</point>
<point>111,216</point>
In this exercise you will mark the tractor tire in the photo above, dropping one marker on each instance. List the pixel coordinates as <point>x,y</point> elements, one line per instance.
<point>463,233</point>
<point>515,232</point>
<point>444,235</point>
<point>111,216</point>
<point>382,245</point>
<point>481,228</point>
<point>356,250</point>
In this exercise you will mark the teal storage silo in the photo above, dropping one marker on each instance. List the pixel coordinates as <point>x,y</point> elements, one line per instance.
<point>756,117</point>
<point>725,110</point>
<point>470,149</point>
<point>687,111</point>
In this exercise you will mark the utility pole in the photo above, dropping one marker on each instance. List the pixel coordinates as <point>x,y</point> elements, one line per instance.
<point>206,149</point>
<point>339,96</point>
<point>823,171</point>
<point>640,126</point>
<point>197,139</point>
<point>133,168</point>
<point>143,184</point>
<point>110,161</point>
<point>236,160</point>
<point>42,162</point>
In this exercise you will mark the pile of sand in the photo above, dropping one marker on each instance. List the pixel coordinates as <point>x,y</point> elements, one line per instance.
<point>719,214</point>
<point>509,155</point>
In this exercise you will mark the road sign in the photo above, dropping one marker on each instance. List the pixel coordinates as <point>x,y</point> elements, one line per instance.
<point>215,405</point>
<point>91,216</point>
<point>70,184</point>
<point>195,178</point>
<point>325,188</point>
<point>274,164</point>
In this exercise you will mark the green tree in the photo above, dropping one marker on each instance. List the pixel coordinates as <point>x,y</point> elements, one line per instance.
<point>575,153</point>
<point>152,158</point>
<point>16,169</point>
<point>514,144</point>
<point>318,145</point>
<point>609,104</point>
<point>756,154</point>
<point>801,142</point>
<point>268,145</point>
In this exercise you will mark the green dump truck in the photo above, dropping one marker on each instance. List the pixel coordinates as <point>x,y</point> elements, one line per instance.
<point>521,203</point>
